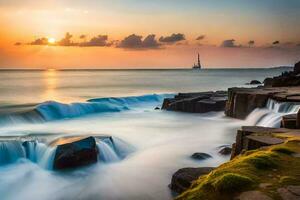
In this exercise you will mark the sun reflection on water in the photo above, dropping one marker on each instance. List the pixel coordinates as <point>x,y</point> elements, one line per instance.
<point>51,81</point>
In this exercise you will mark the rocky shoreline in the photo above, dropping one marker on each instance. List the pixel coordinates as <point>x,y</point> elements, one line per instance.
<point>264,161</point>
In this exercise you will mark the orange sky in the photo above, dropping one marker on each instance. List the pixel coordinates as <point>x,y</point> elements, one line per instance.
<point>26,21</point>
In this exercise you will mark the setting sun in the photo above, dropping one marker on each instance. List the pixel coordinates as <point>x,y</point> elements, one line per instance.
<point>51,40</point>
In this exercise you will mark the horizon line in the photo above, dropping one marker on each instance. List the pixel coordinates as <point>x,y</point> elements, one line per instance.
<point>99,69</point>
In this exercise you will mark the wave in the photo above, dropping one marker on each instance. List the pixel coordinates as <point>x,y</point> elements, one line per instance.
<point>110,149</point>
<point>52,110</point>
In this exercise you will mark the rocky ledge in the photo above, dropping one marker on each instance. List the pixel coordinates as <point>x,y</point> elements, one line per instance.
<point>200,102</point>
<point>242,101</point>
<point>291,78</point>
<point>255,137</point>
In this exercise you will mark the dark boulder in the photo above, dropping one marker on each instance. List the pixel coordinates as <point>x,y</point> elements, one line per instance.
<point>75,154</point>
<point>225,151</point>
<point>156,108</point>
<point>255,82</point>
<point>183,178</point>
<point>200,156</point>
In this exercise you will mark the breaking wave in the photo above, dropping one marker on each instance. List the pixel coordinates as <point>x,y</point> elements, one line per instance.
<point>52,110</point>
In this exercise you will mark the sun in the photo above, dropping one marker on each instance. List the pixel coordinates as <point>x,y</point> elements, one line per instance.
<point>51,40</point>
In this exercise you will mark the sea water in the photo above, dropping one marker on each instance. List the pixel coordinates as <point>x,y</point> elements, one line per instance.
<point>119,103</point>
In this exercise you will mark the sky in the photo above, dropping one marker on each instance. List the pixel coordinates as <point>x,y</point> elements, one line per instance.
<point>148,34</point>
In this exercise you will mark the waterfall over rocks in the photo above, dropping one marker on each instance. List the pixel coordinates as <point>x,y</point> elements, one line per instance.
<point>271,115</point>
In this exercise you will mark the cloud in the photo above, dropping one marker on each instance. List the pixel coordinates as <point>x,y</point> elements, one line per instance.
<point>229,43</point>
<point>175,37</point>
<point>136,42</point>
<point>82,36</point>
<point>99,41</point>
<point>66,41</point>
<point>200,37</point>
<point>276,42</point>
<point>40,41</point>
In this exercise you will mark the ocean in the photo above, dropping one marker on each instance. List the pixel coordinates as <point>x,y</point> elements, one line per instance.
<point>150,144</point>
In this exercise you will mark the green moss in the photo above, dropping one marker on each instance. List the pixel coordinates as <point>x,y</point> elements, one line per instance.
<point>232,182</point>
<point>268,165</point>
<point>263,161</point>
<point>284,150</point>
<point>288,180</point>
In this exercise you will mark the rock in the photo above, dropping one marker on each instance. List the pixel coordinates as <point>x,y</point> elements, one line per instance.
<point>183,178</point>
<point>200,102</point>
<point>289,193</point>
<point>156,108</point>
<point>289,121</point>
<point>254,137</point>
<point>253,195</point>
<point>225,151</point>
<point>255,82</point>
<point>200,156</point>
<point>285,79</point>
<point>242,101</point>
<point>76,153</point>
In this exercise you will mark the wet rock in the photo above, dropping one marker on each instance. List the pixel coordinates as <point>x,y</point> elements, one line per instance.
<point>200,102</point>
<point>76,153</point>
<point>183,178</point>
<point>200,156</point>
<point>289,121</point>
<point>156,108</point>
<point>225,151</point>
<point>253,195</point>
<point>255,82</point>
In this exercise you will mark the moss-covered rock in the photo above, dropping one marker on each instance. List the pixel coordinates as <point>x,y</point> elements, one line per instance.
<point>232,182</point>
<point>275,165</point>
